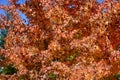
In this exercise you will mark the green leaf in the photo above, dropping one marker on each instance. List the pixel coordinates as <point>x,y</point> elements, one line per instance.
<point>21,77</point>
<point>9,70</point>
<point>71,57</point>
<point>78,36</point>
<point>4,32</point>
<point>52,76</point>
<point>2,43</point>
<point>2,37</point>
<point>1,69</point>
<point>117,76</point>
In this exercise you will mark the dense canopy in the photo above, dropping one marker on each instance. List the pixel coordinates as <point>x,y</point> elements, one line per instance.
<point>63,40</point>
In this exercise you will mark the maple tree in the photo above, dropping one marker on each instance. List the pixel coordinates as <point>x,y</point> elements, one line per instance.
<point>63,40</point>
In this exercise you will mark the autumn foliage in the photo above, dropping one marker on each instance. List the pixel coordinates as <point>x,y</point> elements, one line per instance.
<point>63,40</point>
